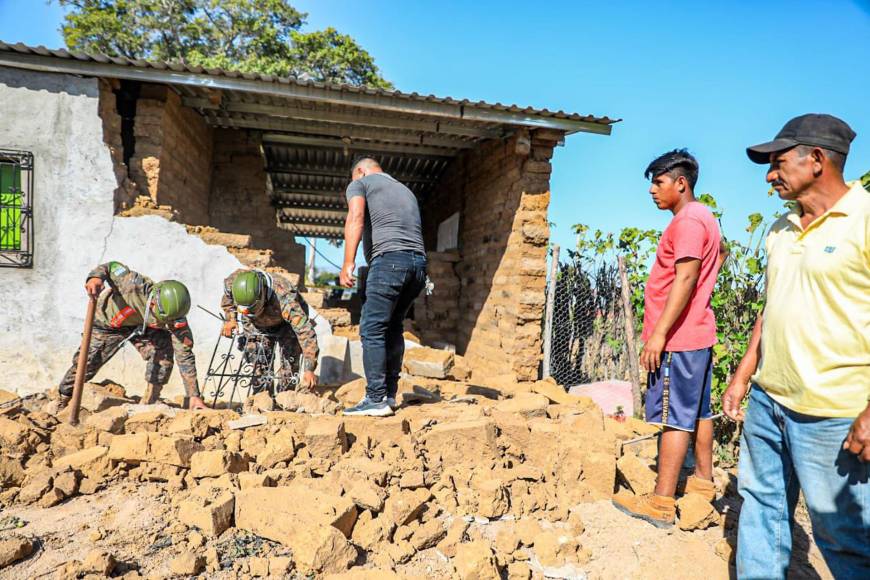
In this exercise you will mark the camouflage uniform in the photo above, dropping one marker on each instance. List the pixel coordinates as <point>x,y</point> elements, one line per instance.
<point>119,314</point>
<point>283,321</point>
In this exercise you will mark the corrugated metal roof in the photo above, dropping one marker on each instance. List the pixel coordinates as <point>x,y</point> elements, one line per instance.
<point>312,131</point>
<point>344,88</point>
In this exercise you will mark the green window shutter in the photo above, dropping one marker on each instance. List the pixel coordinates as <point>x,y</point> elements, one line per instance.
<point>10,206</point>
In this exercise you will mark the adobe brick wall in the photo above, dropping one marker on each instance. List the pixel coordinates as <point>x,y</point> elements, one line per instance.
<point>502,196</point>
<point>126,192</point>
<point>172,159</point>
<point>240,200</point>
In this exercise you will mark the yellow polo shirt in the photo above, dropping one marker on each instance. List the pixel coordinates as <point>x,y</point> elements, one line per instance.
<point>815,337</point>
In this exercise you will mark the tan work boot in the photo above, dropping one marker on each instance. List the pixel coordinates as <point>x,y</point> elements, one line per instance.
<point>152,394</point>
<point>659,510</point>
<point>703,487</point>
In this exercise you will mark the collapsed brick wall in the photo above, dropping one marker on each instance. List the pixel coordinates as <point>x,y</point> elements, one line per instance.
<point>501,190</point>
<point>240,199</point>
<point>126,192</point>
<point>173,154</point>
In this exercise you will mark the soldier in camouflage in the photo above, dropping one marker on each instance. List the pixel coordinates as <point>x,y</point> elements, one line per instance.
<point>267,311</point>
<point>151,316</point>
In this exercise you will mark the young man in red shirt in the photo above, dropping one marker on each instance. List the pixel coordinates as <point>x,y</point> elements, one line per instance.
<point>679,330</point>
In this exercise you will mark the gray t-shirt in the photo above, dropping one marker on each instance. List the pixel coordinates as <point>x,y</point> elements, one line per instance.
<point>392,219</point>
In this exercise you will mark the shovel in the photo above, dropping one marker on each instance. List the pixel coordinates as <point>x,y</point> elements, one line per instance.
<point>82,365</point>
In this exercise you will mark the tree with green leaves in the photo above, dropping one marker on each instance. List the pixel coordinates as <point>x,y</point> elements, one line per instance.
<point>252,36</point>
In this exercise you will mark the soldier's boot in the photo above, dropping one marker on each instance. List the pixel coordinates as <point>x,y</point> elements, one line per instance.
<point>152,394</point>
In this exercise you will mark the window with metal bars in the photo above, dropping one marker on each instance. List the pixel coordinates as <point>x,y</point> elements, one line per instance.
<point>16,209</point>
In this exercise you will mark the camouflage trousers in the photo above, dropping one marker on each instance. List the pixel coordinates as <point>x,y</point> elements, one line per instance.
<point>154,345</point>
<point>259,349</point>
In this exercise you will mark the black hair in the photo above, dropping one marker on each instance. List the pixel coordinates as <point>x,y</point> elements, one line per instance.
<point>361,158</point>
<point>675,163</point>
<point>836,158</point>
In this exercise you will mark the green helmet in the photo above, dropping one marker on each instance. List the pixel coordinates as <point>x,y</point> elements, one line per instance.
<point>247,289</point>
<point>171,300</point>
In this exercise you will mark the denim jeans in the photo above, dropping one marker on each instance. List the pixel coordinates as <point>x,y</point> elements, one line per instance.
<point>781,453</point>
<point>394,281</point>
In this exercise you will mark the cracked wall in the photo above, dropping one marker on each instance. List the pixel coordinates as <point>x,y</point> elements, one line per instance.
<point>57,118</point>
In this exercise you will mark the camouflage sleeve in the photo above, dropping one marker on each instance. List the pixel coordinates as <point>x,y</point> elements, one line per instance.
<point>294,311</point>
<point>227,299</point>
<point>101,272</point>
<point>182,345</point>
<point>119,276</point>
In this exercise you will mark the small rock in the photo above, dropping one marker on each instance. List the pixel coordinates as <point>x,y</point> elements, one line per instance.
<point>14,549</point>
<point>195,540</point>
<point>187,564</point>
<point>98,562</point>
<point>475,561</point>
<point>696,513</point>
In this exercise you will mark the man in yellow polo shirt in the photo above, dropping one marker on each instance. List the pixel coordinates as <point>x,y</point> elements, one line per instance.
<point>807,425</point>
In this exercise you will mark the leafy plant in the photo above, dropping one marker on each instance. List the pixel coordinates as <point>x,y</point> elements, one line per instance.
<point>253,36</point>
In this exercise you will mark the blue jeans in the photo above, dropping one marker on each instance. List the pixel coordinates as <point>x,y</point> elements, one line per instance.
<point>394,281</point>
<point>781,453</point>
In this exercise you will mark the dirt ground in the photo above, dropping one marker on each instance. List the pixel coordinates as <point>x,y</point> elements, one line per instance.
<point>471,479</point>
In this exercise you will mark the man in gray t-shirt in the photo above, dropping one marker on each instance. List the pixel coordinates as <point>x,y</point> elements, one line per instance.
<point>384,214</point>
<point>392,218</point>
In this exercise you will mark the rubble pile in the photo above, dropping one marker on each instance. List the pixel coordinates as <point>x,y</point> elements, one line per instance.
<point>332,495</point>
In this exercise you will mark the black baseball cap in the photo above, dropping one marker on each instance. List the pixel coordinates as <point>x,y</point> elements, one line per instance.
<point>813,129</point>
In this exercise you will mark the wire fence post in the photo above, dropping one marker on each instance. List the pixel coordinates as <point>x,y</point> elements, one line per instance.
<point>633,361</point>
<point>548,316</point>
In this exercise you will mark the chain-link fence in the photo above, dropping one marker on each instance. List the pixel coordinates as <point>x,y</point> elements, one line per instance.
<point>587,328</point>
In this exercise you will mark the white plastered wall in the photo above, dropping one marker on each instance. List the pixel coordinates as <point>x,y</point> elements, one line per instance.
<point>55,117</point>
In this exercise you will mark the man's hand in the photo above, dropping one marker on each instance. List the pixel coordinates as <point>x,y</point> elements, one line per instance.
<point>651,356</point>
<point>196,403</point>
<point>229,327</point>
<point>858,439</point>
<point>733,397</point>
<point>309,381</point>
<point>94,286</point>
<point>346,278</point>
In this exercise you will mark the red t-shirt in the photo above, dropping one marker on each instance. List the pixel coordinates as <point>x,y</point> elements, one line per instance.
<point>693,233</point>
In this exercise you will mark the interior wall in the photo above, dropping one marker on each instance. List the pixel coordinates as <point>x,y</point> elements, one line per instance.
<point>501,190</point>
<point>240,197</point>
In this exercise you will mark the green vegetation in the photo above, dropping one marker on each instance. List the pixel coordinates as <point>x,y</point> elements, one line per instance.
<point>252,36</point>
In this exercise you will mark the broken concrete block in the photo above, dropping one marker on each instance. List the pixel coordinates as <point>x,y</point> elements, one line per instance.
<point>12,433</point>
<point>216,463</point>
<point>370,531</point>
<point>367,495</point>
<point>247,421</point>
<point>554,549</point>
<point>11,472</point>
<point>507,540</point>
<point>527,530</point>
<point>187,564</point>
<point>279,566</point>
<point>696,513</point>
<point>96,398</point>
<point>428,362</point>
<point>519,571</point>
<point>333,364</point>
<point>527,405</point>
<point>190,423</point>
<point>171,450</point>
<point>412,479</point>
<point>131,448</point>
<point>13,549</point>
<point>148,420</point>
<point>492,498</point>
<point>247,480</point>
<point>375,471</point>
<point>261,402</point>
<point>99,562</point>
<point>429,534</point>
<point>406,505</point>
<point>326,438</point>
<point>280,447</point>
<point>274,512</point>
<point>67,483</point>
<point>455,536</point>
<point>321,548</point>
<point>36,486</point>
<point>637,474</point>
<point>475,561</point>
<point>111,420</point>
<point>210,510</point>
<point>258,567</point>
<point>463,442</point>
<point>351,393</point>
<point>302,402</point>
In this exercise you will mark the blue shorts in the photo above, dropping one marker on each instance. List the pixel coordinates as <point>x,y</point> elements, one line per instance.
<point>678,393</point>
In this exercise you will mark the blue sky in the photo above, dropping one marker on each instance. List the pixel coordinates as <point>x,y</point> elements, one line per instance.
<point>712,76</point>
